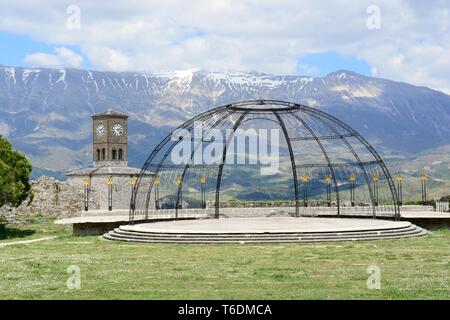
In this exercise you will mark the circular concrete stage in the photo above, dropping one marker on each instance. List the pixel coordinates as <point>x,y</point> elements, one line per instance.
<point>264,230</point>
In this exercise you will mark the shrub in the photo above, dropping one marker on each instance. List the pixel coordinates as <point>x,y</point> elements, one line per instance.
<point>15,172</point>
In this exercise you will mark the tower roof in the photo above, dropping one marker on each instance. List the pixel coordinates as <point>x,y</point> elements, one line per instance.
<point>110,112</point>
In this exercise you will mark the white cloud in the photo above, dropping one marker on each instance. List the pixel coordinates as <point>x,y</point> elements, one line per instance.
<point>63,57</point>
<point>5,129</point>
<point>270,36</point>
<point>107,58</point>
<point>308,70</point>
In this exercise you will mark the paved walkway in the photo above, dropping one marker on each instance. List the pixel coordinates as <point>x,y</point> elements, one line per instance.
<point>266,225</point>
<point>120,216</point>
<point>425,214</point>
<point>26,241</point>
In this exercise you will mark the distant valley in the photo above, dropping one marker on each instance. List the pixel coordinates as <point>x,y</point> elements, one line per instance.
<point>46,112</point>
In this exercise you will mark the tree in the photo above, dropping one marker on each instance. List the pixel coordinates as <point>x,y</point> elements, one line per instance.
<point>15,172</point>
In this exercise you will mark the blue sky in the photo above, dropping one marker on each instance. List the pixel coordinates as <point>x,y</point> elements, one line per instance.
<point>14,48</point>
<point>320,64</point>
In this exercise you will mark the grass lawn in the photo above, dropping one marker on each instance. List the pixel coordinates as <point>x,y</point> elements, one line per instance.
<point>415,268</point>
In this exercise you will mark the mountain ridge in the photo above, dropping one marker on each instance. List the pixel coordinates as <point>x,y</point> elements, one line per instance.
<point>46,112</point>
<point>168,74</point>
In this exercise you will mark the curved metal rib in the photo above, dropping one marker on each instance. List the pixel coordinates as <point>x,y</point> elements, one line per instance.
<point>152,156</point>
<point>293,165</point>
<point>327,158</point>
<point>224,155</point>
<point>358,160</point>
<point>198,144</point>
<point>371,150</point>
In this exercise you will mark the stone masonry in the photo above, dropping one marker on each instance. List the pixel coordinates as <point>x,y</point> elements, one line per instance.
<point>52,198</point>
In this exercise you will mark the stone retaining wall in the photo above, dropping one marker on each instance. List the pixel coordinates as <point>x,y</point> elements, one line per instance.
<point>52,198</point>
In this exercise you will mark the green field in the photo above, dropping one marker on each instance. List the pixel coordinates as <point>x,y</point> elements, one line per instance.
<point>415,268</point>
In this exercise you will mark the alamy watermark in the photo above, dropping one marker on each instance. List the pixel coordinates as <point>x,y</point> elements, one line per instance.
<point>206,147</point>
<point>74,280</point>
<point>373,21</point>
<point>374,279</point>
<point>74,19</point>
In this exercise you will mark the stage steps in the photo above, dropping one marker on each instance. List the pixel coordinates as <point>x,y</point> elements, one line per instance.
<point>282,237</point>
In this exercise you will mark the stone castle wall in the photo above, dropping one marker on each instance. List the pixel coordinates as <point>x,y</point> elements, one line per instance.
<point>65,199</point>
<point>52,198</point>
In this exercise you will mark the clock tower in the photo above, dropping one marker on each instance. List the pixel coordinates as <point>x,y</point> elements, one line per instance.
<point>108,185</point>
<point>110,139</point>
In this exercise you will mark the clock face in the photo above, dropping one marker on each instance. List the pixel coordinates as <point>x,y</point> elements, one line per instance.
<point>100,130</point>
<point>117,129</point>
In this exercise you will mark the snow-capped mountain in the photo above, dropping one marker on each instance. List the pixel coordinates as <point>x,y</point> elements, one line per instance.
<point>46,112</point>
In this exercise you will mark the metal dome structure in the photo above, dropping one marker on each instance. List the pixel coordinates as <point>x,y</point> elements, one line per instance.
<point>325,166</point>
